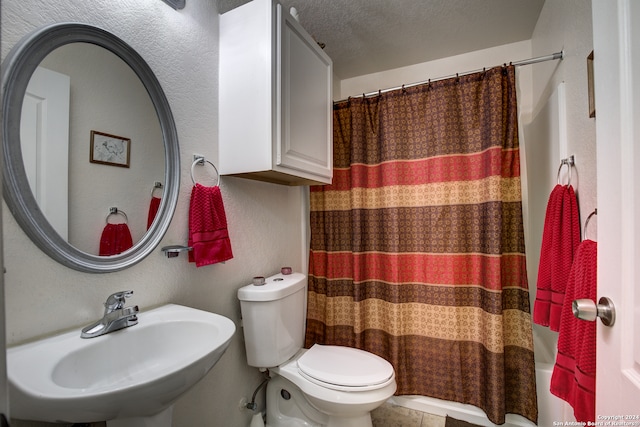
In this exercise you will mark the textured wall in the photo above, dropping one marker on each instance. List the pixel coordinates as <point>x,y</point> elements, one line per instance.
<point>448,66</point>
<point>566,24</point>
<point>265,220</point>
<point>563,25</point>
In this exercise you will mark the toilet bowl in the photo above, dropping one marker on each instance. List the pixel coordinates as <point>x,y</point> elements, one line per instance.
<point>333,386</point>
<point>344,384</point>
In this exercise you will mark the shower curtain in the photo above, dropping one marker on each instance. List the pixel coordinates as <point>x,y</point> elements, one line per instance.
<point>417,247</point>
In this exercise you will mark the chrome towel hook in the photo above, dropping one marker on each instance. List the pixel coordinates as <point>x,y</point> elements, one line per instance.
<point>586,223</point>
<point>156,185</point>
<point>570,162</point>
<point>116,211</point>
<point>200,160</point>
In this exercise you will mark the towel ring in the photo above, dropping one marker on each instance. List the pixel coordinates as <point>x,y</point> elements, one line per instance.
<point>586,223</point>
<point>201,161</point>
<point>116,211</point>
<point>570,161</point>
<point>156,185</point>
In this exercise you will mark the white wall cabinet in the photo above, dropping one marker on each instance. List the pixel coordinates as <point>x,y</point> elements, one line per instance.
<point>275,111</point>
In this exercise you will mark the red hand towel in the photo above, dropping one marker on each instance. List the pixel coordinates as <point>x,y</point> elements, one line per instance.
<point>561,237</point>
<point>542,304</point>
<point>574,374</point>
<point>208,234</point>
<point>115,239</point>
<point>153,210</point>
<point>565,247</point>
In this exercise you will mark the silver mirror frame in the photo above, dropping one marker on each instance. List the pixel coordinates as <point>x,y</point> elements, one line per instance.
<point>17,69</point>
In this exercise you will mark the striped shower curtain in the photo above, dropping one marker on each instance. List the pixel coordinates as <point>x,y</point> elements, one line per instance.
<point>417,248</point>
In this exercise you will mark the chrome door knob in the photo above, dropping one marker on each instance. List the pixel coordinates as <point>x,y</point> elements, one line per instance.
<point>586,309</point>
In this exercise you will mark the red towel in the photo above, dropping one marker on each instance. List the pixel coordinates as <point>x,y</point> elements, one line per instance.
<point>542,304</point>
<point>208,235</point>
<point>560,238</point>
<point>574,374</point>
<point>565,245</point>
<point>115,239</point>
<point>153,210</point>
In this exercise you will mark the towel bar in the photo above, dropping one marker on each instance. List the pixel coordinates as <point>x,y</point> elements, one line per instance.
<point>174,250</point>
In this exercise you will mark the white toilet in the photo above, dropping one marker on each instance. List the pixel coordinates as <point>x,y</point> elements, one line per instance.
<point>322,386</point>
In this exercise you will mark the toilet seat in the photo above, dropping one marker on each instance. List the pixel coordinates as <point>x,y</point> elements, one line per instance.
<point>345,368</point>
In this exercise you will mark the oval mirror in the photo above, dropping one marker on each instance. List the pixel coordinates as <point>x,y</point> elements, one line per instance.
<point>138,124</point>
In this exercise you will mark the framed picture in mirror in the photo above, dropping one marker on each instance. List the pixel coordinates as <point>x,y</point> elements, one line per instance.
<point>109,149</point>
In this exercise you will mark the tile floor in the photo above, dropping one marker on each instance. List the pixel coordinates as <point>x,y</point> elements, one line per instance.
<point>389,415</point>
<point>21,423</point>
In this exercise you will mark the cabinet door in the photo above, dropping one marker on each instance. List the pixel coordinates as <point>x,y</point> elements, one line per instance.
<point>304,124</point>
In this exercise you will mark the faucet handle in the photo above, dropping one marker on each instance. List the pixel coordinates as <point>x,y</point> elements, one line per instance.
<point>116,301</point>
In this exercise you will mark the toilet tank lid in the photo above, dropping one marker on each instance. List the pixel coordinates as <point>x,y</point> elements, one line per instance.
<point>276,287</point>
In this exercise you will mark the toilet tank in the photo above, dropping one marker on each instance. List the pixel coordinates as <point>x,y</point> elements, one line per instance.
<point>273,319</point>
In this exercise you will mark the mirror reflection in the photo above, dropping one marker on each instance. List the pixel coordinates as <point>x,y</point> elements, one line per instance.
<point>83,96</point>
<point>97,182</point>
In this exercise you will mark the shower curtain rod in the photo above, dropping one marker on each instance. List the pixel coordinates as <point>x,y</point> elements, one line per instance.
<point>552,57</point>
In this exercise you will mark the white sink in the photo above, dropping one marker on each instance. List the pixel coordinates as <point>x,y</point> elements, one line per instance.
<point>129,377</point>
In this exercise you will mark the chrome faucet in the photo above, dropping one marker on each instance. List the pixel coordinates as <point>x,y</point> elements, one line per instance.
<point>116,316</point>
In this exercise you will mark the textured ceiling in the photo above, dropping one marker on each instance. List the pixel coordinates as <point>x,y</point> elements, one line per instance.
<point>367,36</point>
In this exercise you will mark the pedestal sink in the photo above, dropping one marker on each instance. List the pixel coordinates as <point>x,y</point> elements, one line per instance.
<point>129,378</point>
